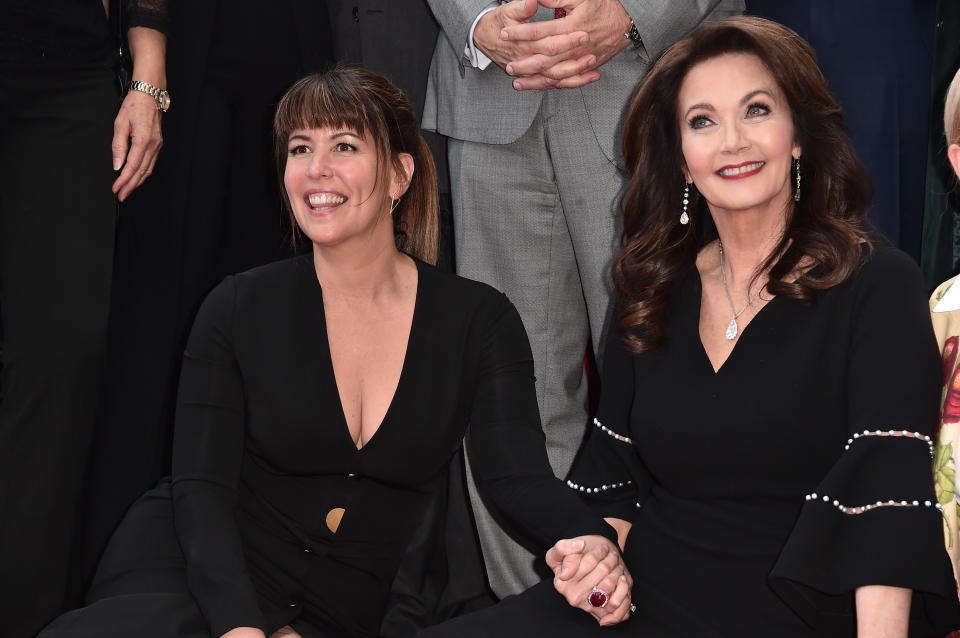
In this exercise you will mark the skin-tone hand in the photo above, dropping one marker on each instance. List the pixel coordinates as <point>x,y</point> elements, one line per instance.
<point>606,22</point>
<point>582,563</point>
<point>244,632</point>
<point>285,632</point>
<point>136,129</point>
<point>567,46</point>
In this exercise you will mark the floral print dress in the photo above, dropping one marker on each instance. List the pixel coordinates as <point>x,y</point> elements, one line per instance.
<point>946,325</point>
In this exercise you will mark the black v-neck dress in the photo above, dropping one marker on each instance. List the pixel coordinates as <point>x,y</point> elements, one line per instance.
<point>262,455</point>
<point>734,480</point>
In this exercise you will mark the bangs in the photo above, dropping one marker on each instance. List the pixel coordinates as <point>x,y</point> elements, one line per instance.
<point>327,100</point>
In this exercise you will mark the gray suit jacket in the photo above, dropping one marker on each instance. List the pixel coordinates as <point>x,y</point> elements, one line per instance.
<point>482,106</point>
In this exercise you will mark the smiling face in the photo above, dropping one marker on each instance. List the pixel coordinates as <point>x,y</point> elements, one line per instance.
<point>737,137</point>
<point>336,188</point>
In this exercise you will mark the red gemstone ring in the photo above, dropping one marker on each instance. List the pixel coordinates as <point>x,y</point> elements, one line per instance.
<point>598,597</point>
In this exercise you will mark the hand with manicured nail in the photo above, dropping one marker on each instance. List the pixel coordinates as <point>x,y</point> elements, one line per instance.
<point>587,562</point>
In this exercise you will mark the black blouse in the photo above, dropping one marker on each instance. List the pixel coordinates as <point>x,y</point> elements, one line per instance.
<point>262,452</point>
<point>746,486</point>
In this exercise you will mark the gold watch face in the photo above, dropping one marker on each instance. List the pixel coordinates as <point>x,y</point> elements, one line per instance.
<point>164,101</point>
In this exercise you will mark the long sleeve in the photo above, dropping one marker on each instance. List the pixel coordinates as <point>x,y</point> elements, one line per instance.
<point>608,473</point>
<point>456,18</point>
<point>207,455</point>
<point>507,442</point>
<point>874,518</point>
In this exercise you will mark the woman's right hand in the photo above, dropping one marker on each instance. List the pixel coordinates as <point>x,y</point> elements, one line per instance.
<point>587,562</point>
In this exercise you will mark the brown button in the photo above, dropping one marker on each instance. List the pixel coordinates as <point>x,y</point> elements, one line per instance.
<point>333,518</point>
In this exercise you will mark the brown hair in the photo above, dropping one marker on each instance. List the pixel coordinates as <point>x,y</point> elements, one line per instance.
<point>825,225</point>
<point>373,107</point>
<point>951,112</point>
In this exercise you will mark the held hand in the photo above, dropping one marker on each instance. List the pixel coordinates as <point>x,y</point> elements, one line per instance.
<point>136,142</point>
<point>244,632</point>
<point>553,50</point>
<point>586,562</point>
<point>605,22</point>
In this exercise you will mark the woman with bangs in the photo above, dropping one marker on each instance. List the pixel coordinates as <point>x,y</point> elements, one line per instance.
<point>322,398</point>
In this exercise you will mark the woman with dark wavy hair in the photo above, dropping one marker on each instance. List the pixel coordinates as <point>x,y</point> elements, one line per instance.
<point>763,441</point>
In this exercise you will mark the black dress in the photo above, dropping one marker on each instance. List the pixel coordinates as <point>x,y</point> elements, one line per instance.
<point>58,88</point>
<point>262,455</point>
<point>740,482</point>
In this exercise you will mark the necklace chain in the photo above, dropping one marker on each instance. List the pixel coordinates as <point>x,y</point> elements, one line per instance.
<point>732,328</point>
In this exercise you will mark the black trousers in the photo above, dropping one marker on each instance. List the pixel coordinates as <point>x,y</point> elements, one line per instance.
<point>57,218</point>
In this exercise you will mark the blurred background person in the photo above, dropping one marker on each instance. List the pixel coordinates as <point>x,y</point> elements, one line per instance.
<point>66,156</point>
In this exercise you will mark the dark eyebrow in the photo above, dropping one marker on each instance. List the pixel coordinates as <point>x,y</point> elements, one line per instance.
<point>338,134</point>
<point>701,105</point>
<point>746,98</point>
<point>752,94</point>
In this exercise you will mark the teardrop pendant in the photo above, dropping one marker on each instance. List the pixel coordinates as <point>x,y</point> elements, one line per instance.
<point>731,332</point>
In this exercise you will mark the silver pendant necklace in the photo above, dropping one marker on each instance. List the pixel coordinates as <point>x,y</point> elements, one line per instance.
<point>732,327</point>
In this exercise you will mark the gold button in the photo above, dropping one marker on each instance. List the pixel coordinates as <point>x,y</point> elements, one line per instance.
<point>333,518</point>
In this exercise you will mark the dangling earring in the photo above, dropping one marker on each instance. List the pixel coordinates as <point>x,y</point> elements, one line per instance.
<point>796,167</point>
<point>684,218</point>
<point>393,204</point>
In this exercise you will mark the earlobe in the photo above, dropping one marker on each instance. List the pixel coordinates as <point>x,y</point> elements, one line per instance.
<point>402,180</point>
<point>953,154</point>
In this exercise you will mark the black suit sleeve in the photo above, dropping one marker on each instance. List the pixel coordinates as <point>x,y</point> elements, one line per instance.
<point>208,451</point>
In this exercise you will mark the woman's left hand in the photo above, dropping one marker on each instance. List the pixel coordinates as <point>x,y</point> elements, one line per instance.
<point>586,563</point>
<point>136,141</point>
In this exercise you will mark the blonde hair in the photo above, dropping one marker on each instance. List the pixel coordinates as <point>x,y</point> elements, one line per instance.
<point>375,108</point>
<point>951,111</point>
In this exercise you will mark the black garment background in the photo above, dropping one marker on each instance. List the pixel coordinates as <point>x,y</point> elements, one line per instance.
<point>210,208</point>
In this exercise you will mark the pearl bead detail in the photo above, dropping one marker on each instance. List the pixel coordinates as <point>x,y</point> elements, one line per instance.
<point>905,433</point>
<point>597,490</point>
<point>606,430</point>
<point>860,509</point>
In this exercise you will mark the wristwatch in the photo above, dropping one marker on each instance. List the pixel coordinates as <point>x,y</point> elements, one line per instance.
<point>634,36</point>
<point>160,96</point>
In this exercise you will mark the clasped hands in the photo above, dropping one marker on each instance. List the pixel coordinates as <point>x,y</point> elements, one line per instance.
<point>587,562</point>
<point>553,54</point>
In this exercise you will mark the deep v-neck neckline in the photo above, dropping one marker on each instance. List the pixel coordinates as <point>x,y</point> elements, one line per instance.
<point>742,333</point>
<point>325,338</point>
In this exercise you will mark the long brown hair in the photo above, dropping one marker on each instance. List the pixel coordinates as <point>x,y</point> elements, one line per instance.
<point>369,104</point>
<point>826,225</point>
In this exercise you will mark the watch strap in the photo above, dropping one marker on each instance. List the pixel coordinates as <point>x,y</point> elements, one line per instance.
<point>160,96</point>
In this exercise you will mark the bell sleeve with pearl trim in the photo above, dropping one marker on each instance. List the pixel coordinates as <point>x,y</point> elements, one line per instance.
<point>874,518</point>
<point>607,472</point>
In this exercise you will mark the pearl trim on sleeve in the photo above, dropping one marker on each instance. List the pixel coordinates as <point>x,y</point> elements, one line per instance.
<point>597,490</point>
<point>606,430</point>
<point>860,509</point>
<point>906,433</point>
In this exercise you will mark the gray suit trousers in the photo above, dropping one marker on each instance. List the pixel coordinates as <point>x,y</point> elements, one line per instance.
<point>536,218</point>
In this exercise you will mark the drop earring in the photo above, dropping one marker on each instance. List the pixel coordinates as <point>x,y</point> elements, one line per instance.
<point>796,167</point>
<point>684,217</point>
<point>393,204</point>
